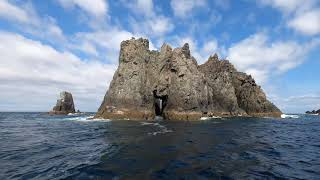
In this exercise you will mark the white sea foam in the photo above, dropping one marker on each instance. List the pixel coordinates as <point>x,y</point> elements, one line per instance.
<point>209,118</point>
<point>148,123</point>
<point>286,116</point>
<point>162,129</point>
<point>75,114</point>
<point>314,114</point>
<point>86,119</point>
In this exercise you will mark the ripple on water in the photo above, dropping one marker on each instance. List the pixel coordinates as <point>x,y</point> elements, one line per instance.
<point>38,146</point>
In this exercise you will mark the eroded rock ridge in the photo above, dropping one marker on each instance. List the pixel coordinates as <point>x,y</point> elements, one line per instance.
<point>171,84</point>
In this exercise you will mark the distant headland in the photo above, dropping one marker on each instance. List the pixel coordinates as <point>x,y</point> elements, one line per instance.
<point>170,83</point>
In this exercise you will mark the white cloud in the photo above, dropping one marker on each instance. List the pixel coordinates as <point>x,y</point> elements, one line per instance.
<point>32,74</point>
<point>107,38</point>
<point>28,20</point>
<point>160,25</point>
<point>104,43</point>
<point>144,7</point>
<point>301,15</point>
<point>307,23</point>
<point>258,56</point>
<point>151,24</point>
<point>299,103</point>
<point>10,11</point>
<point>182,8</point>
<point>210,46</point>
<point>96,8</point>
<point>156,26</point>
<point>284,5</point>
<point>86,47</point>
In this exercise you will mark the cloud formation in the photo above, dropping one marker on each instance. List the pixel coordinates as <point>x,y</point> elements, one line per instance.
<point>260,57</point>
<point>33,71</point>
<point>302,16</point>
<point>10,11</point>
<point>307,23</point>
<point>183,8</point>
<point>28,20</point>
<point>96,8</point>
<point>299,103</point>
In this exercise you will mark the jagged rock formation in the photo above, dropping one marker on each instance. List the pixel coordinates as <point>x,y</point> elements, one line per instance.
<point>313,112</point>
<point>171,84</point>
<point>64,105</point>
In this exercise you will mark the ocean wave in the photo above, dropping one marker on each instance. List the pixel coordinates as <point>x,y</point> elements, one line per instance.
<point>286,116</point>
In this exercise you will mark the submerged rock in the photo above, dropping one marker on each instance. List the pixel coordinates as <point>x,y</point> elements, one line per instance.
<point>171,84</point>
<point>64,105</point>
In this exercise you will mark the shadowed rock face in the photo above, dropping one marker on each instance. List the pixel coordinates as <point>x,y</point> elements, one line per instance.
<point>170,83</point>
<point>64,105</point>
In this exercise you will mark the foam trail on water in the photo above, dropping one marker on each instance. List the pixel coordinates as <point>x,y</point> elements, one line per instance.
<point>209,118</point>
<point>162,129</point>
<point>285,116</point>
<point>86,119</point>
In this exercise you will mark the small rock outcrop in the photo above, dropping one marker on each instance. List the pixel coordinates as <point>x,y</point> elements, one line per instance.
<point>64,105</point>
<point>313,112</point>
<point>171,84</point>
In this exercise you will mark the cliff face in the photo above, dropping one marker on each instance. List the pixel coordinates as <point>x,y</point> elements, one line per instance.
<point>171,84</point>
<point>64,105</point>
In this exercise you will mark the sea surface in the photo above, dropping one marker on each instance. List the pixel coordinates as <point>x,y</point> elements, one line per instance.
<point>39,146</point>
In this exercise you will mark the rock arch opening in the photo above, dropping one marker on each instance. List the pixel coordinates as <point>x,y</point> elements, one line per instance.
<point>160,103</point>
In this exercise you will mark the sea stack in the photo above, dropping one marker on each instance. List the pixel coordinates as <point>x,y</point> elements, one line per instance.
<point>64,104</point>
<point>170,83</point>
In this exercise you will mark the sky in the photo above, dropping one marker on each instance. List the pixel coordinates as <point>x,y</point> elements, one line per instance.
<point>48,46</point>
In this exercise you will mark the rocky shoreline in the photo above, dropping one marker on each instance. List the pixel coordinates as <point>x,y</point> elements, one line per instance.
<point>170,83</point>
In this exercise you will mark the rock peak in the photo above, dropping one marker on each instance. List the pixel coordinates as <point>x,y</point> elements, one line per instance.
<point>64,104</point>
<point>214,57</point>
<point>165,47</point>
<point>186,50</point>
<point>141,42</point>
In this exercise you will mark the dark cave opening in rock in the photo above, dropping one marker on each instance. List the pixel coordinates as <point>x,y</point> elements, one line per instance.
<point>160,103</point>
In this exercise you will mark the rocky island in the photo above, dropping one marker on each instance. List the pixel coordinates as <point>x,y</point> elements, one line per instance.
<point>64,104</point>
<point>314,112</point>
<point>170,83</point>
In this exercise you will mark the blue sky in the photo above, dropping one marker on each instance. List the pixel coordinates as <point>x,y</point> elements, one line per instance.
<point>54,45</point>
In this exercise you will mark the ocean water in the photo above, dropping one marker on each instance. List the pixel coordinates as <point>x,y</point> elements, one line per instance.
<point>38,146</point>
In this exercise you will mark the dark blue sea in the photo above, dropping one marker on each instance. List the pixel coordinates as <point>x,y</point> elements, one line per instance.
<point>39,146</point>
